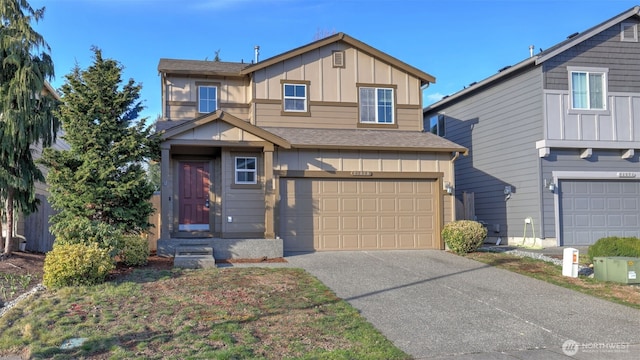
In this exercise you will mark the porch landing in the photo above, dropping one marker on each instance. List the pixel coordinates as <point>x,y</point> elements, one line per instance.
<point>226,248</point>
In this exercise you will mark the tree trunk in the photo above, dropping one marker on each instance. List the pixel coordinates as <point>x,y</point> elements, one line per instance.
<point>1,238</point>
<point>8,248</point>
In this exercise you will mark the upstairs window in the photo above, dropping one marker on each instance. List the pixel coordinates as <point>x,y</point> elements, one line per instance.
<point>588,89</point>
<point>207,99</point>
<point>436,125</point>
<point>246,170</point>
<point>295,97</point>
<point>376,105</point>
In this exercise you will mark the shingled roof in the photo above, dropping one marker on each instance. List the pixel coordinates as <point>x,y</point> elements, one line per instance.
<point>201,67</point>
<point>365,139</point>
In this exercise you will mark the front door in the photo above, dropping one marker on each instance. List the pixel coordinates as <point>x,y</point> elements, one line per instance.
<point>194,196</point>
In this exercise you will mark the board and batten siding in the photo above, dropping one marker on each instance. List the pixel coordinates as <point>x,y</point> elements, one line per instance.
<point>569,160</point>
<point>245,205</point>
<point>182,96</point>
<point>329,85</point>
<point>375,161</point>
<point>621,119</point>
<point>500,126</point>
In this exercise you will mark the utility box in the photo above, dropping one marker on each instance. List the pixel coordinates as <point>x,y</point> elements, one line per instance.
<point>625,270</point>
<point>570,258</point>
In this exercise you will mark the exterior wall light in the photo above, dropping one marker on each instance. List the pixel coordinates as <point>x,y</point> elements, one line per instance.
<point>448,187</point>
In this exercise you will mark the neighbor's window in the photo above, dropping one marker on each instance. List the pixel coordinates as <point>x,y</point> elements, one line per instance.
<point>436,125</point>
<point>295,97</point>
<point>376,105</point>
<point>588,89</point>
<point>246,170</point>
<point>207,99</point>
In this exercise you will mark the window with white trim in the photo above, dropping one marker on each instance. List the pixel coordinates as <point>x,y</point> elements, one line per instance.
<point>376,105</point>
<point>246,169</point>
<point>588,89</point>
<point>295,97</point>
<point>207,99</point>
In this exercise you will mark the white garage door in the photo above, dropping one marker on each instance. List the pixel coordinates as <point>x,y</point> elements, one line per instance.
<point>346,214</point>
<point>593,209</point>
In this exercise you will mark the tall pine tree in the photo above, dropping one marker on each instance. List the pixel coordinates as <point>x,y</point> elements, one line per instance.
<point>101,177</point>
<point>26,113</point>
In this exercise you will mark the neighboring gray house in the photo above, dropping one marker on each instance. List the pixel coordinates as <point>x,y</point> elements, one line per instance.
<point>554,141</point>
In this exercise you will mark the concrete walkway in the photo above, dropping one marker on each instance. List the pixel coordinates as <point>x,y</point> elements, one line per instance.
<point>435,305</point>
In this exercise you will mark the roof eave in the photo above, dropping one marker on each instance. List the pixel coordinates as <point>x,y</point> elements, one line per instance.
<point>423,76</point>
<point>588,34</point>
<point>496,77</point>
<point>381,148</point>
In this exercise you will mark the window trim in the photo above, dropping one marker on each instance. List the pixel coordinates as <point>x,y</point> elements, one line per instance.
<point>439,125</point>
<point>625,24</point>
<point>237,170</point>
<point>589,70</point>
<point>306,111</point>
<point>394,105</point>
<point>210,85</point>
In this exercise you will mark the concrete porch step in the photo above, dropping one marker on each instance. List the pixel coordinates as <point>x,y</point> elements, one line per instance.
<point>194,257</point>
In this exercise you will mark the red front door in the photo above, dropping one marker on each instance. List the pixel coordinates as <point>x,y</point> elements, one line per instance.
<point>194,196</point>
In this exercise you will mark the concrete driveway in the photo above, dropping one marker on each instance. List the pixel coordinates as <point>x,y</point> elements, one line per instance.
<point>433,304</point>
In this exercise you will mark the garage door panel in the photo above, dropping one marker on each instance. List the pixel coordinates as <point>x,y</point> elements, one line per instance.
<point>350,214</point>
<point>406,205</point>
<point>369,241</point>
<point>593,209</point>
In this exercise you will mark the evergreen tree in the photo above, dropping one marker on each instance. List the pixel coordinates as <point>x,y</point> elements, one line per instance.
<point>101,177</point>
<point>26,113</point>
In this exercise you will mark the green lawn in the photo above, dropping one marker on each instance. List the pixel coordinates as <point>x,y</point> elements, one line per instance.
<point>229,313</point>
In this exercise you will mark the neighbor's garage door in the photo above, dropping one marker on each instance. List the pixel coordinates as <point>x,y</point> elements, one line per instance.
<point>593,209</point>
<point>346,214</point>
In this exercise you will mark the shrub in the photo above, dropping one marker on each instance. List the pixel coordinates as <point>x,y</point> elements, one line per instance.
<point>135,251</point>
<point>76,264</point>
<point>464,236</point>
<point>615,246</point>
<point>80,230</point>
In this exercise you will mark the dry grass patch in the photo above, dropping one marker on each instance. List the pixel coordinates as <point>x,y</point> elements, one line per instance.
<point>176,314</point>
<point>624,294</point>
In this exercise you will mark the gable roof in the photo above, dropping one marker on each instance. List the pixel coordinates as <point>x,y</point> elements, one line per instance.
<point>423,76</point>
<point>537,59</point>
<point>229,119</point>
<point>222,68</point>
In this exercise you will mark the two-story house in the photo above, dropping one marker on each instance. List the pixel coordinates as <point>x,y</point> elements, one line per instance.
<point>318,148</point>
<point>554,139</point>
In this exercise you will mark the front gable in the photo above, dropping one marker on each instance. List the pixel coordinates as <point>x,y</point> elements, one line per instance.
<point>220,128</point>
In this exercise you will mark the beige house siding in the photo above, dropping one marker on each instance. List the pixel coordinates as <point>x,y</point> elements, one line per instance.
<point>374,161</point>
<point>245,205</point>
<point>182,96</point>
<point>332,92</point>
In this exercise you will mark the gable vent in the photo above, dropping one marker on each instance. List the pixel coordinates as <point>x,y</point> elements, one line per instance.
<point>338,58</point>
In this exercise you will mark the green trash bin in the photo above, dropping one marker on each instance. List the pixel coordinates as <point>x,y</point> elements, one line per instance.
<point>625,270</point>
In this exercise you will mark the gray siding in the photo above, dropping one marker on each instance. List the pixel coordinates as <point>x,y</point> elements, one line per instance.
<point>500,126</point>
<point>569,160</point>
<point>624,67</point>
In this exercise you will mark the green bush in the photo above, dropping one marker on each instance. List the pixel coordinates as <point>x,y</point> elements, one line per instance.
<point>136,250</point>
<point>615,246</point>
<point>80,230</point>
<point>464,236</point>
<point>76,264</point>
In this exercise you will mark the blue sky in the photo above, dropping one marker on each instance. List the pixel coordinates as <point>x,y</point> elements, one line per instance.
<point>457,41</point>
